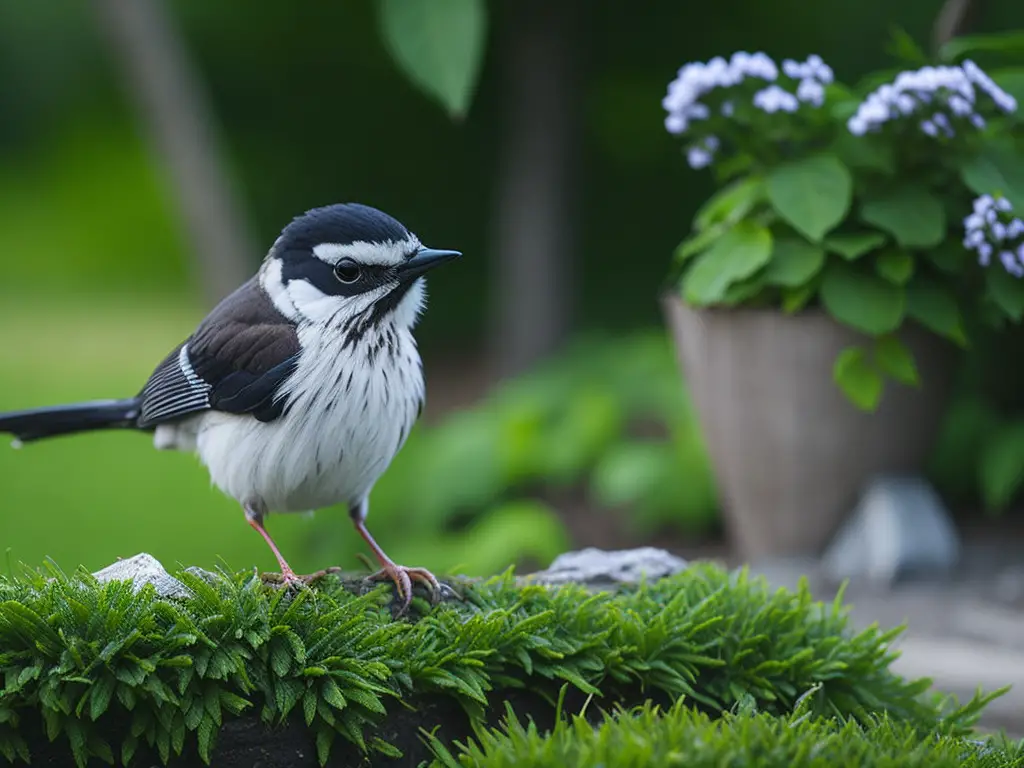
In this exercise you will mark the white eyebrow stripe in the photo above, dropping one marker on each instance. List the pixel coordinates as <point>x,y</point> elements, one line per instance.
<point>386,253</point>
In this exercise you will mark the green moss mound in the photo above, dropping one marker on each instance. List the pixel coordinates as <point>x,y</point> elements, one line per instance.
<point>110,673</point>
<point>683,736</point>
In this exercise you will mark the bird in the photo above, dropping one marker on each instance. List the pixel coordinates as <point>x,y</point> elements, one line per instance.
<point>297,389</point>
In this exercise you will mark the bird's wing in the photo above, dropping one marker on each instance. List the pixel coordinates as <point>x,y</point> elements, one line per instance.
<point>235,362</point>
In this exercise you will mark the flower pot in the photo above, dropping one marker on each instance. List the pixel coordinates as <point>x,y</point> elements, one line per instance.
<point>790,453</point>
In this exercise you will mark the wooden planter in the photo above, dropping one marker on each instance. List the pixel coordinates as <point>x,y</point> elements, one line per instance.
<point>790,453</point>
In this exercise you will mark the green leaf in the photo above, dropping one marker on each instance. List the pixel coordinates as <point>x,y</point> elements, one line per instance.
<point>853,246</point>
<point>324,739</point>
<point>1001,470</point>
<point>731,203</point>
<point>949,256</point>
<point>743,291</point>
<point>861,300</point>
<point>793,262</point>
<point>795,299</point>
<point>698,242</point>
<point>895,265</point>
<point>309,703</point>
<point>903,46</point>
<point>813,194</point>
<point>997,169</point>
<point>862,152</point>
<point>857,378</point>
<point>737,255</point>
<point>439,44</point>
<point>1006,291</point>
<point>101,694</point>
<point>205,734</point>
<point>896,361</point>
<point>934,306</point>
<point>332,694</point>
<point>995,42</point>
<point>128,748</point>
<point>912,214</point>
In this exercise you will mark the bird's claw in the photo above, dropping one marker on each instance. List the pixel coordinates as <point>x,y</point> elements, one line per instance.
<point>403,578</point>
<point>292,580</point>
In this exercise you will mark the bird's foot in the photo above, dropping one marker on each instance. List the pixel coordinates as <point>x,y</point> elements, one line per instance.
<point>403,578</point>
<point>293,580</point>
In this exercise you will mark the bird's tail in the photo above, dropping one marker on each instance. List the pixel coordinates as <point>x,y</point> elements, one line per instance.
<point>38,423</point>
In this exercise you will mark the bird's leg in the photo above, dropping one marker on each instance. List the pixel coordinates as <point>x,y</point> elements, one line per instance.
<point>254,514</point>
<point>399,574</point>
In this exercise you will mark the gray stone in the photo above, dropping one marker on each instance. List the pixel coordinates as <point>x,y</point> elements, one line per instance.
<point>598,567</point>
<point>899,528</point>
<point>1009,586</point>
<point>140,570</point>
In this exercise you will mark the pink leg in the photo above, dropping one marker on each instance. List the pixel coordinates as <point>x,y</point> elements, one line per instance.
<point>399,574</point>
<point>255,518</point>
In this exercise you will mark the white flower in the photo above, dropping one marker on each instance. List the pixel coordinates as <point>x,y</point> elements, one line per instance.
<point>794,69</point>
<point>974,222</point>
<point>1011,264</point>
<point>675,123</point>
<point>857,125</point>
<point>993,227</point>
<point>698,158</point>
<point>948,91</point>
<point>973,239</point>
<point>775,99</point>
<point>684,98</point>
<point>976,75</point>
<point>812,69</point>
<point>811,91</point>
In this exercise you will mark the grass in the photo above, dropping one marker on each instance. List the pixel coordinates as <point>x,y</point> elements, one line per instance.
<point>682,736</point>
<point>87,658</point>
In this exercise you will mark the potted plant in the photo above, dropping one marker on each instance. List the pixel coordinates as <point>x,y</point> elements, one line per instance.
<point>857,238</point>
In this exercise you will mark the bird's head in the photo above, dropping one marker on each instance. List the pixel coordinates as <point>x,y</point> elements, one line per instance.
<point>347,261</point>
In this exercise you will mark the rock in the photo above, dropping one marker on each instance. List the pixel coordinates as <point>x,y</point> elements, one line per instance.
<point>143,569</point>
<point>601,568</point>
<point>900,527</point>
<point>1009,586</point>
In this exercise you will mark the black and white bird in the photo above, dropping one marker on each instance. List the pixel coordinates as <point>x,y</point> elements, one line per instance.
<point>297,390</point>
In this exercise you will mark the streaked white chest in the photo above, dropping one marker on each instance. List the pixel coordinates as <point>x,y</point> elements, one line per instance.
<point>350,411</point>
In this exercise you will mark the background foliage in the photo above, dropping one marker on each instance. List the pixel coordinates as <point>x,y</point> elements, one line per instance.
<point>314,104</point>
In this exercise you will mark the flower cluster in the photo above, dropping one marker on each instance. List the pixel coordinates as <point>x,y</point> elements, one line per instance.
<point>992,228</point>
<point>937,98</point>
<point>686,102</point>
<point>697,79</point>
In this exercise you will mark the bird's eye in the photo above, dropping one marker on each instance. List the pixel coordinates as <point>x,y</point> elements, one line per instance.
<point>347,271</point>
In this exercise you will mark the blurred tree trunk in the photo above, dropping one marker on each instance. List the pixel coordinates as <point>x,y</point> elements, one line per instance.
<point>170,98</point>
<point>956,18</point>
<point>534,237</point>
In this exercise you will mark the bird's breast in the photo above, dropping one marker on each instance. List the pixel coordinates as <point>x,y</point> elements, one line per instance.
<point>349,410</point>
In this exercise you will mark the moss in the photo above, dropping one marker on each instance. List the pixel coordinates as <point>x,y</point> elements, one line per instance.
<point>682,736</point>
<point>109,672</point>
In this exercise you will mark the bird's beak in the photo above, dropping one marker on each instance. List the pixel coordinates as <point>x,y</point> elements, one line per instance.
<point>425,260</point>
